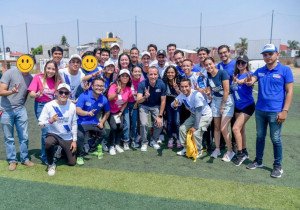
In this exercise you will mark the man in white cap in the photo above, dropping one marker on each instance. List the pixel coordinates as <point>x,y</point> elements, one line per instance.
<point>114,53</point>
<point>145,63</point>
<point>60,117</point>
<point>275,93</point>
<point>72,75</point>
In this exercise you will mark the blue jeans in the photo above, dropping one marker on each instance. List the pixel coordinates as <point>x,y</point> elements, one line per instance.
<point>17,117</point>
<point>38,107</point>
<point>173,121</point>
<point>130,122</point>
<point>263,119</point>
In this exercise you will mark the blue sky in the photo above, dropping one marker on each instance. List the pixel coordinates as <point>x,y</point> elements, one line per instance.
<point>159,21</point>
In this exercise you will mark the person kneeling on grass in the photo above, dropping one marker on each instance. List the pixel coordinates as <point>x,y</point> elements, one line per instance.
<point>88,105</point>
<point>201,114</point>
<point>60,117</point>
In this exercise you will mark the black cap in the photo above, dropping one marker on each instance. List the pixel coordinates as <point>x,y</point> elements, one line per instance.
<point>161,52</point>
<point>243,58</point>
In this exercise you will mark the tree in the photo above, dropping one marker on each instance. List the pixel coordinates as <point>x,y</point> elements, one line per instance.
<point>293,44</point>
<point>241,47</point>
<point>37,51</point>
<point>63,41</point>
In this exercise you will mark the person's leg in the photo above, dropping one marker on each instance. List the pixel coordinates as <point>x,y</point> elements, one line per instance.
<point>80,141</point>
<point>7,122</point>
<point>50,143</point>
<point>113,128</point>
<point>275,135</point>
<point>261,129</point>
<point>217,131</point>
<point>183,129</point>
<point>170,115</point>
<point>71,156</point>
<point>133,115</point>
<point>21,122</point>
<point>156,130</point>
<point>143,123</point>
<point>118,131</point>
<point>239,129</point>
<point>126,125</point>
<point>225,121</point>
<point>198,134</point>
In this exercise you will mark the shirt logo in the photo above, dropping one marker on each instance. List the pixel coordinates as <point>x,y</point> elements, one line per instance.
<point>261,74</point>
<point>278,76</point>
<point>100,105</point>
<point>158,90</point>
<point>88,103</point>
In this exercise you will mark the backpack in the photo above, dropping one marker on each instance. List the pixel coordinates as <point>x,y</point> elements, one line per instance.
<point>191,147</point>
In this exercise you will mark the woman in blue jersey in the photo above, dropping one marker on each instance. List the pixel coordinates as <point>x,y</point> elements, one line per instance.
<point>244,106</point>
<point>222,106</point>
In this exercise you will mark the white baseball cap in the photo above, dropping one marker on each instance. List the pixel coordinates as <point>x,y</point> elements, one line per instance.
<point>124,71</point>
<point>114,44</point>
<point>145,53</point>
<point>109,62</point>
<point>269,48</point>
<point>64,85</point>
<point>75,56</point>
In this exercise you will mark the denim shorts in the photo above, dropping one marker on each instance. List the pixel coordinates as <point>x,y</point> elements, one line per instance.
<point>216,105</point>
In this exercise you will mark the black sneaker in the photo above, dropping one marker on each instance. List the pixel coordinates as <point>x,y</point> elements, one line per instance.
<point>240,158</point>
<point>254,165</point>
<point>245,152</point>
<point>277,172</point>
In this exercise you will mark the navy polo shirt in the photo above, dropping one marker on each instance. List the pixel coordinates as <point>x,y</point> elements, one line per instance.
<point>156,92</point>
<point>228,67</point>
<point>271,87</point>
<point>87,102</point>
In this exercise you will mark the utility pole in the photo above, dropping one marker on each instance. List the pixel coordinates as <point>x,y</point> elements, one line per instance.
<point>77,32</point>
<point>135,31</point>
<point>27,38</point>
<point>200,30</point>
<point>272,27</point>
<point>4,50</point>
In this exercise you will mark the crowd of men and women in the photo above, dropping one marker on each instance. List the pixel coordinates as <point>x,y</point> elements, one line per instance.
<point>72,105</point>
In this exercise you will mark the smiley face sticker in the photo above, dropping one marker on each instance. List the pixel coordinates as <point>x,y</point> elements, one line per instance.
<point>89,63</point>
<point>25,63</point>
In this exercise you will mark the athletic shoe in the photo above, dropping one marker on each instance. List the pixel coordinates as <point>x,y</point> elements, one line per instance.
<point>240,158</point>
<point>12,166</point>
<point>181,152</point>
<point>105,148</point>
<point>119,149</point>
<point>28,163</point>
<point>161,139</point>
<point>51,169</point>
<point>277,172</point>
<point>228,156</point>
<point>179,145</point>
<point>170,143</point>
<point>254,165</point>
<point>144,148</point>
<point>126,146</point>
<point>245,152</point>
<point>112,150</point>
<point>215,153</point>
<point>154,145</point>
<point>135,145</point>
<point>80,161</point>
<point>200,153</point>
<point>57,153</point>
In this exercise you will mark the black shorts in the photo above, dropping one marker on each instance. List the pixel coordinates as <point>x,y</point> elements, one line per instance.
<point>249,110</point>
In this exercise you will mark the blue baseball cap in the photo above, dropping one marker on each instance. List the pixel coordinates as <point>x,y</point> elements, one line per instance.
<point>269,48</point>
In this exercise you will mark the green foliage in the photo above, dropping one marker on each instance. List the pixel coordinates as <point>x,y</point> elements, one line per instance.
<point>64,41</point>
<point>37,51</point>
<point>293,44</point>
<point>242,46</point>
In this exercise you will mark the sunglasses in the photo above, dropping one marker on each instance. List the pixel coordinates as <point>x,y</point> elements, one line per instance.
<point>268,54</point>
<point>241,63</point>
<point>66,93</point>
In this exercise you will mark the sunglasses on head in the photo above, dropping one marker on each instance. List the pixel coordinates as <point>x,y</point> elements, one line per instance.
<point>241,62</point>
<point>268,54</point>
<point>66,93</point>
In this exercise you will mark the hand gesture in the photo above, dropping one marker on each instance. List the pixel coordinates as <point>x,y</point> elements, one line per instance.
<point>175,103</point>
<point>235,80</point>
<point>54,118</point>
<point>73,146</point>
<point>100,125</point>
<point>86,85</point>
<point>39,94</point>
<point>118,87</point>
<point>174,84</point>
<point>91,113</point>
<point>15,89</point>
<point>147,94</point>
<point>96,74</point>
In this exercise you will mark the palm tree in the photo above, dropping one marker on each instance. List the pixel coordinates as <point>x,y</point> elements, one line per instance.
<point>64,41</point>
<point>293,44</point>
<point>241,47</point>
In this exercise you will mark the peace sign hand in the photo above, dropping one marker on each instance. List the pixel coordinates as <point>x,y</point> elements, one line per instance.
<point>147,94</point>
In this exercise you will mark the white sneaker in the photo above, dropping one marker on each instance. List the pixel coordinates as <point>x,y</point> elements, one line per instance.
<point>126,146</point>
<point>200,153</point>
<point>51,170</point>
<point>182,152</point>
<point>119,149</point>
<point>161,139</point>
<point>228,156</point>
<point>215,153</point>
<point>155,145</point>
<point>112,150</point>
<point>144,148</point>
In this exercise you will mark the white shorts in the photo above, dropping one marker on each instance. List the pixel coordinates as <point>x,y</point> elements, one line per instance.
<point>216,105</point>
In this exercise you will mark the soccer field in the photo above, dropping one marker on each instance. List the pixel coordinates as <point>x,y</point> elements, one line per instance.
<point>157,179</point>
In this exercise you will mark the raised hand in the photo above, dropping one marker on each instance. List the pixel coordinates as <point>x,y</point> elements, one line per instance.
<point>176,103</point>
<point>15,89</point>
<point>147,93</point>
<point>54,118</point>
<point>91,113</point>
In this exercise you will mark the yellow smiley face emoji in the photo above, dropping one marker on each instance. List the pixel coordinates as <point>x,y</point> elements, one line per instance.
<point>89,63</point>
<point>25,63</point>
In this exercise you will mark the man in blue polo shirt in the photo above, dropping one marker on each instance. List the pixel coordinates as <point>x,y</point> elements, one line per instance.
<point>275,93</point>
<point>88,106</point>
<point>152,99</point>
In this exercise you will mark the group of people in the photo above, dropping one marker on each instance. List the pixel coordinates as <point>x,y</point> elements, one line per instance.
<point>125,90</point>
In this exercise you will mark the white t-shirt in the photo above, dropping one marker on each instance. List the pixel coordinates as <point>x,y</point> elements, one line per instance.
<point>66,125</point>
<point>193,101</point>
<point>193,78</point>
<point>161,70</point>
<point>73,80</point>
<point>152,63</point>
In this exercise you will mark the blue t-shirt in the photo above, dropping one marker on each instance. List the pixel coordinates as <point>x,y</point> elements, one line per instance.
<point>87,102</point>
<point>180,71</point>
<point>156,92</point>
<point>242,94</point>
<point>229,68</point>
<point>216,82</point>
<point>271,87</point>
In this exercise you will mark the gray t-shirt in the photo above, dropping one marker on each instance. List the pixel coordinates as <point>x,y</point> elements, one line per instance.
<point>11,78</point>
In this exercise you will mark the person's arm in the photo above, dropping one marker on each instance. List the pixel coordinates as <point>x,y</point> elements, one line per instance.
<point>225,84</point>
<point>5,92</point>
<point>159,118</point>
<point>287,103</point>
<point>83,113</point>
<point>74,126</point>
<point>251,80</point>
